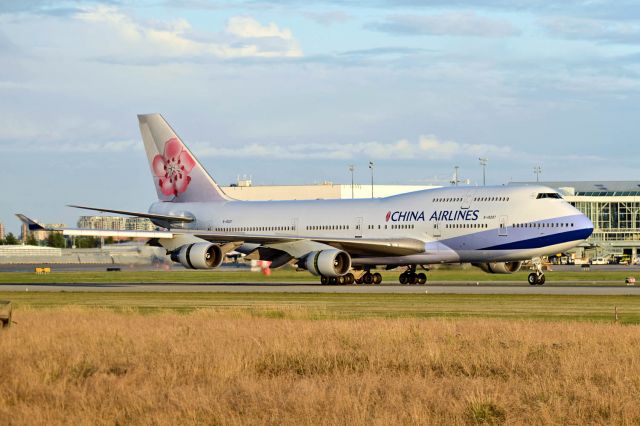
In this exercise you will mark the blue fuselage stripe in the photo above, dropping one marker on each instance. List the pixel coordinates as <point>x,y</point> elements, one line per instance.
<point>546,240</point>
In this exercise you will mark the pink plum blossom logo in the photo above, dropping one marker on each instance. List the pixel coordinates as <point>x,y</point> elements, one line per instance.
<point>388,216</point>
<point>173,168</point>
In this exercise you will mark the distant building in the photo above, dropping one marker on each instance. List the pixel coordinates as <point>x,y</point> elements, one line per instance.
<point>116,223</point>
<point>323,191</point>
<point>614,209</point>
<point>24,233</point>
<point>43,235</point>
<point>139,224</point>
<point>1,231</point>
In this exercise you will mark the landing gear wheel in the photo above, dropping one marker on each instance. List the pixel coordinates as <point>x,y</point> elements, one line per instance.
<point>410,277</point>
<point>324,280</point>
<point>422,278</point>
<point>349,278</point>
<point>377,278</point>
<point>367,278</point>
<point>359,281</point>
<point>340,280</point>
<point>535,279</point>
<point>332,281</point>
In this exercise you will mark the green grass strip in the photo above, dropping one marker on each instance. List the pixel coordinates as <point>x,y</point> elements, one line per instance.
<point>350,306</point>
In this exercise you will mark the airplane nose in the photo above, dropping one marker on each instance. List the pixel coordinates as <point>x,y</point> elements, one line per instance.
<point>585,224</point>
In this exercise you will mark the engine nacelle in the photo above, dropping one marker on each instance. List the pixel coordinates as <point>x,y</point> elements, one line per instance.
<point>499,267</point>
<point>199,256</point>
<point>328,263</point>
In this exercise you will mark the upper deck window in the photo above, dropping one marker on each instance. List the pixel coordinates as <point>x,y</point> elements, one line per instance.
<point>548,195</point>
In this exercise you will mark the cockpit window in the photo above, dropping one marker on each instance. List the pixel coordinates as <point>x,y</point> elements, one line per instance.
<point>548,195</point>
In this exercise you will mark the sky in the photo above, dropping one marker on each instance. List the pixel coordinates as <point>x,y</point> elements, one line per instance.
<point>293,92</point>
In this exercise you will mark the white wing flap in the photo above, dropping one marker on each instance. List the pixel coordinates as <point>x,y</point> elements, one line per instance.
<point>114,233</point>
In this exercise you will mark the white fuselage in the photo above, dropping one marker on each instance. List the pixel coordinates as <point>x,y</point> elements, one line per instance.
<point>456,224</point>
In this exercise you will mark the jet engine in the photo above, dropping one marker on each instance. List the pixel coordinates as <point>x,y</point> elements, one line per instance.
<point>199,256</point>
<point>499,267</point>
<point>328,263</point>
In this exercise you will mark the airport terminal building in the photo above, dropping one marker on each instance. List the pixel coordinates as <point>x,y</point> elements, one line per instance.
<point>613,207</point>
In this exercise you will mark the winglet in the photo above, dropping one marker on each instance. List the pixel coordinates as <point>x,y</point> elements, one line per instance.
<point>32,225</point>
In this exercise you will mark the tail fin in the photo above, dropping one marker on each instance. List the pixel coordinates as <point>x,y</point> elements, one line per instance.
<point>177,174</point>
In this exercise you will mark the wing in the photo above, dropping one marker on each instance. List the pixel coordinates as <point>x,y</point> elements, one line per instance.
<point>353,246</point>
<point>162,217</point>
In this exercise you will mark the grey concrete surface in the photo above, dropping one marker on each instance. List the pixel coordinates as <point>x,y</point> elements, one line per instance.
<point>433,288</point>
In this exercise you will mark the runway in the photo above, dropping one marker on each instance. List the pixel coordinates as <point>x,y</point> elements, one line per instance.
<point>433,288</point>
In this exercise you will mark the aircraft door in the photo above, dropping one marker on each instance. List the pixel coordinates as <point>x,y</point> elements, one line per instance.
<point>466,201</point>
<point>358,227</point>
<point>436,230</point>
<point>503,227</point>
<point>294,226</point>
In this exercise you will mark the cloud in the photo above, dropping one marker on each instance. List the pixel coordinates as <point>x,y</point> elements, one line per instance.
<point>383,51</point>
<point>328,18</point>
<point>593,29</point>
<point>72,147</point>
<point>427,147</point>
<point>462,24</point>
<point>437,149</point>
<point>50,7</point>
<point>243,37</point>
<point>5,44</point>
<point>246,27</point>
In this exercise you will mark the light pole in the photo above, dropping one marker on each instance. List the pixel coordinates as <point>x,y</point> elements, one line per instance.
<point>537,170</point>
<point>483,163</point>
<point>351,169</point>
<point>371,167</point>
<point>455,179</point>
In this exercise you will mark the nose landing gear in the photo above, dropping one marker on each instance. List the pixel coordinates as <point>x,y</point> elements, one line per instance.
<point>534,279</point>
<point>537,277</point>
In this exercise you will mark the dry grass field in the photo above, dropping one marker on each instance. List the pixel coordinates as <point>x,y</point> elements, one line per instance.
<point>80,365</point>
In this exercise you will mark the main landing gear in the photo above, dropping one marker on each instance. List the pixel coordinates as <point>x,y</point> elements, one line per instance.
<point>365,277</point>
<point>410,277</point>
<point>369,278</point>
<point>345,279</point>
<point>537,277</point>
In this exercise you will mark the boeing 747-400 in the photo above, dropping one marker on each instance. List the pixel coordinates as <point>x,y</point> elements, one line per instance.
<point>345,241</point>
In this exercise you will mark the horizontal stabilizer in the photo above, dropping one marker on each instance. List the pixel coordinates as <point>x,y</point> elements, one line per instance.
<point>168,218</point>
<point>76,232</point>
<point>32,225</point>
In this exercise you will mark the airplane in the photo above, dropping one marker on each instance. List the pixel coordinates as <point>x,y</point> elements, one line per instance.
<point>344,241</point>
